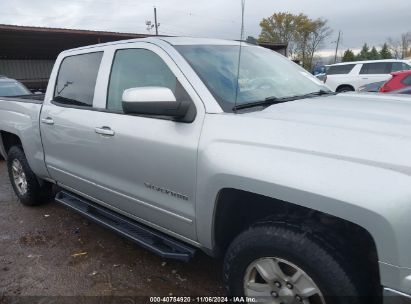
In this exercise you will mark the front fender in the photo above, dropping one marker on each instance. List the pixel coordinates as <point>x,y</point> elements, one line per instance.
<point>352,191</point>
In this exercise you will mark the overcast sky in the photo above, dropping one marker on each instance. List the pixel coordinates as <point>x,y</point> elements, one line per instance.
<point>371,21</point>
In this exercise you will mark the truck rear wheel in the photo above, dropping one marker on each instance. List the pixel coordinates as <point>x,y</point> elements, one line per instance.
<point>284,265</point>
<point>25,183</point>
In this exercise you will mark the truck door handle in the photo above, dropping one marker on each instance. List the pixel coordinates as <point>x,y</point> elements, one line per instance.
<point>104,131</point>
<point>47,121</point>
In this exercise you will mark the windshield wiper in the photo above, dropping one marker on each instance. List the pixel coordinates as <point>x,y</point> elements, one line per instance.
<point>262,103</point>
<point>321,93</point>
<point>275,100</point>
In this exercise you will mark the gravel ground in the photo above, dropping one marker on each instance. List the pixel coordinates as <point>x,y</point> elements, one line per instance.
<point>38,248</point>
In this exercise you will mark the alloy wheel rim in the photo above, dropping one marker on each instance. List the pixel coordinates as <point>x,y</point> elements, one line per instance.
<point>19,177</point>
<point>276,281</point>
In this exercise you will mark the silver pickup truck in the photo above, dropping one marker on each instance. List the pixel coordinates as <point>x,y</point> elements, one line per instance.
<point>304,193</point>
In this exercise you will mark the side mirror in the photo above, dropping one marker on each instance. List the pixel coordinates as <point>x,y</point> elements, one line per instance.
<point>153,101</point>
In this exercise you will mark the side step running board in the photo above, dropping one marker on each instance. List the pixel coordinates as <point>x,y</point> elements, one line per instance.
<point>155,241</point>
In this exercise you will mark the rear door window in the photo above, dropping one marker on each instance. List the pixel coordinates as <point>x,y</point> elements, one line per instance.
<point>340,69</point>
<point>400,66</point>
<point>76,80</point>
<point>376,68</point>
<point>407,80</point>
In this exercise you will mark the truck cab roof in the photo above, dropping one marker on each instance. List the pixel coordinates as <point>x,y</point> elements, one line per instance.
<point>169,40</point>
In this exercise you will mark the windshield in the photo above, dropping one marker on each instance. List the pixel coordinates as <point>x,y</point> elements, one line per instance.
<point>12,88</point>
<point>263,74</point>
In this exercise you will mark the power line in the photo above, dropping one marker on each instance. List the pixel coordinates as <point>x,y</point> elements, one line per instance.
<point>198,15</point>
<point>133,4</point>
<point>89,17</point>
<point>170,28</point>
<point>113,18</point>
<point>174,33</point>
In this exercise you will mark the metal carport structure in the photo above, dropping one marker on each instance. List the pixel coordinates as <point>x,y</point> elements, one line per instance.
<point>28,53</point>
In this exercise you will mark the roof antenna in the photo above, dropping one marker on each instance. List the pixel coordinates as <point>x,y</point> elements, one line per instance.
<point>239,53</point>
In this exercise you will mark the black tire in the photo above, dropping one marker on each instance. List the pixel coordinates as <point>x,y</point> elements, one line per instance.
<point>36,193</point>
<point>294,246</point>
<point>343,89</point>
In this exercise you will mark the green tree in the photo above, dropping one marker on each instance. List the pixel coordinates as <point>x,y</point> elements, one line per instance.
<point>373,54</point>
<point>348,56</point>
<point>303,35</point>
<point>310,36</point>
<point>385,52</point>
<point>280,28</point>
<point>365,53</point>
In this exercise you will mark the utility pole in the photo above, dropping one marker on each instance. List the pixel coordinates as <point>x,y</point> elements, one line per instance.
<point>336,48</point>
<point>155,20</point>
<point>150,25</point>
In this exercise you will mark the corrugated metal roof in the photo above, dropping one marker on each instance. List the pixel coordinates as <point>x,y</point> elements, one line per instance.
<point>11,27</point>
<point>28,42</point>
<point>26,69</point>
<point>27,53</point>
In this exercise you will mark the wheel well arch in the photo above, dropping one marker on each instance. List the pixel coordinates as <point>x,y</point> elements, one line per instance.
<point>238,210</point>
<point>344,85</point>
<point>9,140</point>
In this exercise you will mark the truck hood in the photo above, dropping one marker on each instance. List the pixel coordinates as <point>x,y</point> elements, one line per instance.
<point>367,128</point>
<point>374,113</point>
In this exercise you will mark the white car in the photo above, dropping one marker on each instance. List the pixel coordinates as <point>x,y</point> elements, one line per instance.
<point>349,76</point>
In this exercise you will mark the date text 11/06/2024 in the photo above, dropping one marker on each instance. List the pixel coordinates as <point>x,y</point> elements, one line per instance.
<point>173,299</point>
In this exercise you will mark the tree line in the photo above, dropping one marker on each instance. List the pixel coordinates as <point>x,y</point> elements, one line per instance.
<point>393,48</point>
<point>305,36</point>
<point>368,54</point>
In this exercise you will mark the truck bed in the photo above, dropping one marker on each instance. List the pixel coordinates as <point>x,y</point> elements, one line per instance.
<point>33,98</point>
<point>21,116</point>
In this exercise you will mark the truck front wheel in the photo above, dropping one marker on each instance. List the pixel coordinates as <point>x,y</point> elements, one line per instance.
<point>279,264</point>
<point>25,183</point>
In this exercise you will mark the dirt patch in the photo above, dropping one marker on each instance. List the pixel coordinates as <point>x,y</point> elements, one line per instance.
<point>38,247</point>
<point>35,239</point>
